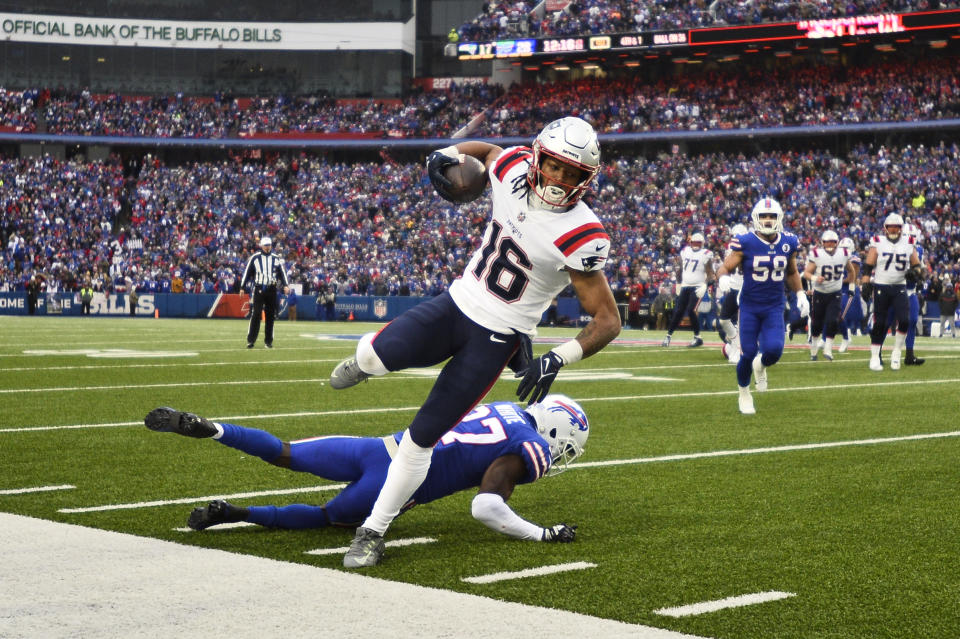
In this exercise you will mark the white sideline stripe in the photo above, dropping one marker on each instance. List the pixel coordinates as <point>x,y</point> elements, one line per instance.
<point>38,489</point>
<point>529,572</point>
<point>720,604</point>
<point>236,524</point>
<point>63,580</point>
<point>396,543</point>
<point>770,449</point>
<point>191,500</point>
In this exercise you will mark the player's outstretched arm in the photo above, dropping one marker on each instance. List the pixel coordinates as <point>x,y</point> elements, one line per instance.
<point>490,505</point>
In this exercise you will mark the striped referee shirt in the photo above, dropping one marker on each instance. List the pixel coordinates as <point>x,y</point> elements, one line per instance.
<point>264,269</point>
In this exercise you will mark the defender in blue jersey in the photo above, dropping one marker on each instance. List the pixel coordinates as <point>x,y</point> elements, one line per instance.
<point>496,447</point>
<point>767,257</point>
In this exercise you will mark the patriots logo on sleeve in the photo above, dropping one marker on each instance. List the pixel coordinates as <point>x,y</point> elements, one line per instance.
<point>592,262</point>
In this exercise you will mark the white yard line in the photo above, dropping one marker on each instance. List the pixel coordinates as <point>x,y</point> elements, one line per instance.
<point>192,500</point>
<point>37,489</point>
<point>395,543</point>
<point>721,604</point>
<point>529,572</point>
<point>177,365</point>
<point>236,524</point>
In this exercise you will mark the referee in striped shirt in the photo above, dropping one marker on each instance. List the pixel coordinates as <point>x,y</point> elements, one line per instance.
<point>264,271</point>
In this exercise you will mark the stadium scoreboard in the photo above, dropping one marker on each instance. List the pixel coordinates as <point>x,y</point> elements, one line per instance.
<point>824,28</point>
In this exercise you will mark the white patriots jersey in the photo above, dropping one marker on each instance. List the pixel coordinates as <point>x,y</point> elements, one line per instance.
<point>893,259</point>
<point>736,278</point>
<point>520,266</point>
<point>694,263</point>
<point>832,268</point>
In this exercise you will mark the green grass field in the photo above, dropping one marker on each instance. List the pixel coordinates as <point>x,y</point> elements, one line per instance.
<point>830,492</point>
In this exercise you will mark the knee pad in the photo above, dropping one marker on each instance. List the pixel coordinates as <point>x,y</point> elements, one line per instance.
<point>368,359</point>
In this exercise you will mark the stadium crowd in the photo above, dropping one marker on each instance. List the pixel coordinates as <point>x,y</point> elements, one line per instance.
<point>379,228</point>
<point>518,18</point>
<point>904,90</point>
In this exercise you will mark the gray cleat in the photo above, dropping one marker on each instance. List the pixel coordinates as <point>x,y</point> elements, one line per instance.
<point>365,550</point>
<point>347,374</point>
<point>170,420</point>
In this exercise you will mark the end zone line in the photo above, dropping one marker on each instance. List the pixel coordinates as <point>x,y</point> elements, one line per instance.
<point>396,543</point>
<point>192,500</point>
<point>720,604</point>
<point>529,572</point>
<point>38,489</point>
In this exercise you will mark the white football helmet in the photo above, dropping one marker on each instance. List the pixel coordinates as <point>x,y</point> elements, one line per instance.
<point>830,236</point>
<point>696,238</point>
<point>912,230</point>
<point>767,216</point>
<point>738,229</point>
<point>564,425</point>
<point>847,243</point>
<point>573,142</point>
<point>893,226</point>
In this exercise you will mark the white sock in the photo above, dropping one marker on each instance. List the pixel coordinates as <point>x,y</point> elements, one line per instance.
<point>729,330</point>
<point>407,471</point>
<point>367,358</point>
<point>828,345</point>
<point>875,351</point>
<point>899,340</point>
<point>219,428</point>
<point>814,347</point>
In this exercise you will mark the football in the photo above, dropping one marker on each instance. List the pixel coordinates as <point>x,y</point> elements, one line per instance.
<point>468,179</point>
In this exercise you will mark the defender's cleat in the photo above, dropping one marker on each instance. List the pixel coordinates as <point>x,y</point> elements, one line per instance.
<point>665,342</point>
<point>759,375</point>
<point>249,344</point>
<point>876,364</point>
<point>347,374</point>
<point>895,359</point>
<point>268,345</point>
<point>913,360</point>
<point>696,341</point>
<point>844,345</point>
<point>746,402</point>
<point>170,420</point>
<point>365,550</point>
<point>813,358</point>
<point>216,512</point>
<point>827,356</point>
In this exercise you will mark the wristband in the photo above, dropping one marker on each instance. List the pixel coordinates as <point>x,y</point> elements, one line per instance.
<point>569,352</point>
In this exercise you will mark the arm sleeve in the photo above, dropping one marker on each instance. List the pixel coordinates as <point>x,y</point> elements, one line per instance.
<point>247,274</point>
<point>493,512</point>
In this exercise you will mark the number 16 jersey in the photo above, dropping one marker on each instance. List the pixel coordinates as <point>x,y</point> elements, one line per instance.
<point>520,266</point>
<point>764,267</point>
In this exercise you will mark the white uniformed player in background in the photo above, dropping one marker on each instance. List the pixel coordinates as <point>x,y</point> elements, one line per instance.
<point>828,269</point>
<point>893,262</point>
<point>696,271</point>
<point>540,238</point>
<point>728,292</point>
<point>851,313</point>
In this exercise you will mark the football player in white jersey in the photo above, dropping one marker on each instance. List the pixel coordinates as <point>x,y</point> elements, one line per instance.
<point>828,269</point>
<point>893,262</point>
<point>851,313</point>
<point>540,238</point>
<point>696,271</point>
<point>728,292</point>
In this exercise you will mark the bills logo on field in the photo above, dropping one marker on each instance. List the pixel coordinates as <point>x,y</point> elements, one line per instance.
<point>379,308</point>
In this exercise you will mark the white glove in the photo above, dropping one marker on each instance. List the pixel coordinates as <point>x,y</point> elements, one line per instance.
<point>803,306</point>
<point>701,290</point>
<point>723,285</point>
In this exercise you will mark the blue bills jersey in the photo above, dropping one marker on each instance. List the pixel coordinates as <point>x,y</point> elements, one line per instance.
<point>764,267</point>
<point>463,454</point>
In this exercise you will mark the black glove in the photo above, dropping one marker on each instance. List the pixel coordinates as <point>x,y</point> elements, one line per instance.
<point>913,275</point>
<point>866,291</point>
<point>520,361</point>
<point>436,163</point>
<point>561,534</point>
<point>539,376</point>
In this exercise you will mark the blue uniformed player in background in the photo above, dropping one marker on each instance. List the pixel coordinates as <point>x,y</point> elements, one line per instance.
<point>767,256</point>
<point>495,447</point>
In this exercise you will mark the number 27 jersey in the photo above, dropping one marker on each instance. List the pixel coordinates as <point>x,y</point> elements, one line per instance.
<point>764,267</point>
<point>521,264</point>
